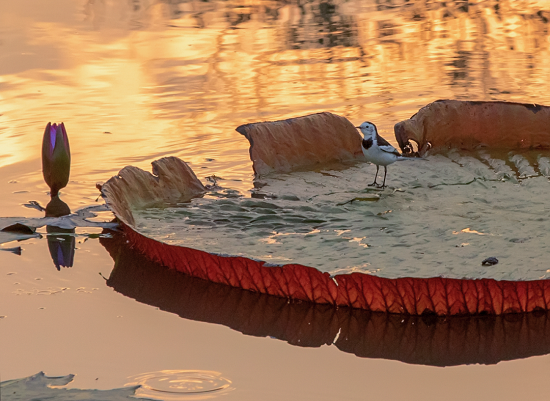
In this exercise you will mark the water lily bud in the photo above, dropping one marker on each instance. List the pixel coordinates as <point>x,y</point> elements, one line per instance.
<point>56,157</point>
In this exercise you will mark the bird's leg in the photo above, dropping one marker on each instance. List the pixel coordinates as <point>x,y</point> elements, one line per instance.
<point>385,172</point>
<point>375,176</point>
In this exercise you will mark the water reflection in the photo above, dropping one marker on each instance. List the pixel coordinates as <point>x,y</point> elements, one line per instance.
<point>427,340</point>
<point>61,241</point>
<point>176,77</point>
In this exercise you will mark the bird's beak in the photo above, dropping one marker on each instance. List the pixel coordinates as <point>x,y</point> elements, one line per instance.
<point>358,127</point>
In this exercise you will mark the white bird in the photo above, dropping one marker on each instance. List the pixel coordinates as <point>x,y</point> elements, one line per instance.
<point>377,150</point>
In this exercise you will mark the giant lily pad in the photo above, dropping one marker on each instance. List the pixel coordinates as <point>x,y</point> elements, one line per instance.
<point>420,239</point>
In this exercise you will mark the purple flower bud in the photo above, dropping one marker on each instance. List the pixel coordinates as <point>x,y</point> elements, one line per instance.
<point>53,132</point>
<point>56,157</point>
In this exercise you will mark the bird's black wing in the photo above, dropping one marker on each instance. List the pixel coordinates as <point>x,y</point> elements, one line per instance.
<point>386,146</point>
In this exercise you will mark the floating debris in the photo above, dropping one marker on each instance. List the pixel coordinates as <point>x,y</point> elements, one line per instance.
<point>42,387</point>
<point>489,261</point>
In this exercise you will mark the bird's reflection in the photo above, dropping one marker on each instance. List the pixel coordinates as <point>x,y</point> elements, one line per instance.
<point>61,241</point>
<point>427,340</point>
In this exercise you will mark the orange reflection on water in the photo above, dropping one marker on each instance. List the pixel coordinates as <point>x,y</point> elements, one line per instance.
<point>135,82</point>
<point>468,231</point>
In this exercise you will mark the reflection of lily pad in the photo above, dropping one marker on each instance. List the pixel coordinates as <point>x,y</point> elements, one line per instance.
<point>438,341</point>
<point>42,387</point>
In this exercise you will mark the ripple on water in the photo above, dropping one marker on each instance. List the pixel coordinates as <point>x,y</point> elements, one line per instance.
<point>181,384</point>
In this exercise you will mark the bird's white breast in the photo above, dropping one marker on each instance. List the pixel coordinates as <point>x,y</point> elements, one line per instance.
<point>377,156</point>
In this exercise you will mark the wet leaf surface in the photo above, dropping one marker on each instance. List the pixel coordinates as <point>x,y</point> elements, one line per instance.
<point>338,224</point>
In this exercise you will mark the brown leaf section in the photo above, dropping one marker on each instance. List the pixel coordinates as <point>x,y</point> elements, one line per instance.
<point>447,124</point>
<point>428,340</point>
<point>287,145</point>
<point>173,181</point>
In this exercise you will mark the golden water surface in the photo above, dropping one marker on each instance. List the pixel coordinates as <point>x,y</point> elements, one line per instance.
<point>135,80</point>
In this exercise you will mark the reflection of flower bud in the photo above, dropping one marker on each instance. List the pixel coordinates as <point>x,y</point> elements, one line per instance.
<point>61,241</point>
<point>56,157</point>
